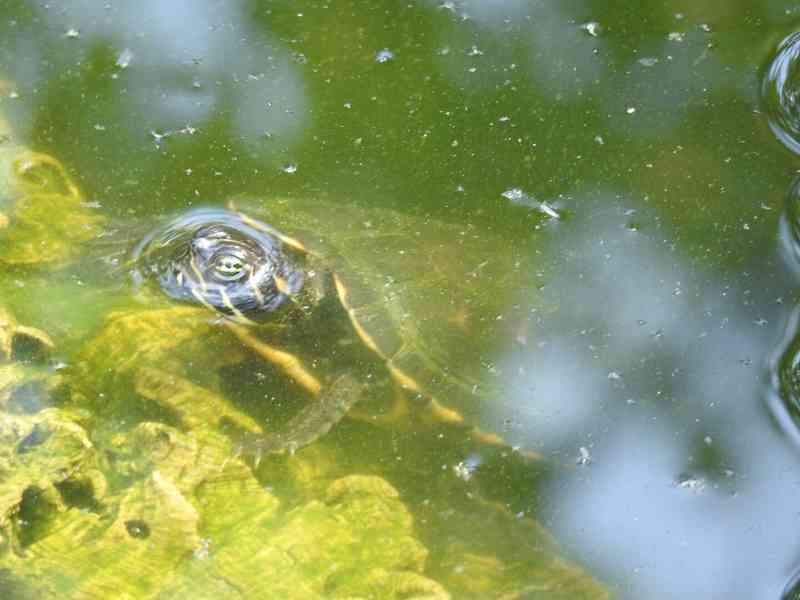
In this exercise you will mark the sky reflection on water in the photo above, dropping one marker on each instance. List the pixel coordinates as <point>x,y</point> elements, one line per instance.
<point>651,363</point>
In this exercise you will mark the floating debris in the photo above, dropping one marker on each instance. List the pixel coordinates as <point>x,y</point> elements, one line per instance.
<point>518,196</point>
<point>290,168</point>
<point>593,28</point>
<point>584,457</point>
<point>72,34</point>
<point>159,137</point>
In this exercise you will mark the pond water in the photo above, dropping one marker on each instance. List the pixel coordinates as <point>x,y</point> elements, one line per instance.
<point>587,213</point>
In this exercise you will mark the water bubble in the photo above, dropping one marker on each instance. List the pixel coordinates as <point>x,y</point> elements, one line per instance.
<point>780,92</point>
<point>290,168</point>
<point>384,55</point>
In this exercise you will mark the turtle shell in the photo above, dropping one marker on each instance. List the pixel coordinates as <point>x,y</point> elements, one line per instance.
<point>442,303</point>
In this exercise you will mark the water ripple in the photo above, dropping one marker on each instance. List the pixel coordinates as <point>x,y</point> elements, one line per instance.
<point>780,92</point>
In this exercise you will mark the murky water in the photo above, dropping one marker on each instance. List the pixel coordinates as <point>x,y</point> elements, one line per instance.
<point>582,215</point>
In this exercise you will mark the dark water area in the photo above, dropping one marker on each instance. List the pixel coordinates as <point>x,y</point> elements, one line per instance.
<point>598,208</point>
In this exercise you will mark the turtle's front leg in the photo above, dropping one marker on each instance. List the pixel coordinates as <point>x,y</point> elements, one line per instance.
<point>285,361</point>
<point>311,423</point>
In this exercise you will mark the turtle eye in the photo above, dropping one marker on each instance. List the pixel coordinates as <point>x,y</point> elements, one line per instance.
<point>228,267</point>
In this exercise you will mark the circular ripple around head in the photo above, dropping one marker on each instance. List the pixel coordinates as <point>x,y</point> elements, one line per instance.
<point>216,257</point>
<point>780,92</point>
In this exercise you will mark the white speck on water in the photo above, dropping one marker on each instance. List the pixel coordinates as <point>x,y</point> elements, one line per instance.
<point>384,55</point>
<point>474,51</point>
<point>13,94</point>
<point>290,168</point>
<point>504,119</point>
<point>463,471</point>
<point>348,105</point>
<point>593,28</point>
<point>584,457</point>
<point>472,69</point>
<point>761,321</point>
<point>630,110</point>
<point>648,61</point>
<point>516,195</point>
<point>72,33</point>
<point>705,27</point>
<point>676,36</point>
<point>613,375</point>
<point>124,59</point>
<point>599,140</point>
<point>707,440</point>
<point>688,482</point>
<point>99,127</point>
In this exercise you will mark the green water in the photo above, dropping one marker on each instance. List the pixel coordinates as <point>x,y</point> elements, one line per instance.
<point>592,208</point>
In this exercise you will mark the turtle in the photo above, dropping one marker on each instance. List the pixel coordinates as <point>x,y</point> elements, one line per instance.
<point>333,297</point>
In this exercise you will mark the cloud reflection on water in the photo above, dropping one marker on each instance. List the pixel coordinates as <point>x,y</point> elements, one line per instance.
<point>189,62</point>
<point>655,365</point>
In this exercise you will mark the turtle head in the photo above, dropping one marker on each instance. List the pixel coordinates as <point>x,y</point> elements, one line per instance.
<point>213,257</point>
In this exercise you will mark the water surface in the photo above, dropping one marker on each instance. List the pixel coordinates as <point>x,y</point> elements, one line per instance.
<point>627,156</point>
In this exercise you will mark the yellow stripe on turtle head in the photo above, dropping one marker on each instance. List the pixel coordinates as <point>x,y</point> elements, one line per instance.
<point>254,286</point>
<point>235,312</point>
<point>202,299</point>
<point>200,279</point>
